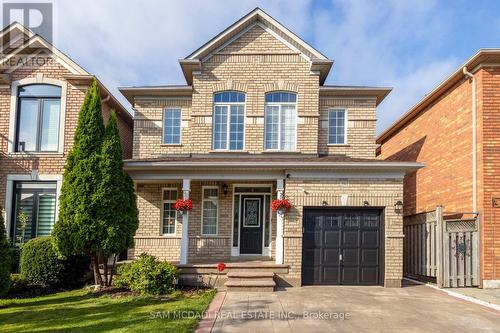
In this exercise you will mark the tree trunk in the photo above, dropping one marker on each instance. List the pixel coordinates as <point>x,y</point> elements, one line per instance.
<point>112,270</point>
<point>95,267</point>
<point>105,268</point>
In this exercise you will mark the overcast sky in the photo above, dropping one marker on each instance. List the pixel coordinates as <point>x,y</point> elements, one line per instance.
<point>408,45</point>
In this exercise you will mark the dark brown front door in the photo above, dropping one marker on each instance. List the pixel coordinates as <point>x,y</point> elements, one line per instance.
<point>342,246</point>
<point>251,224</point>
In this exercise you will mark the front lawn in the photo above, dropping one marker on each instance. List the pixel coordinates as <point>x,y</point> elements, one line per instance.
<point>81,311</point>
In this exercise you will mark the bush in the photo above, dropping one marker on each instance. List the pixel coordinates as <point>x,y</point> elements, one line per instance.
<point>5,259</point>
<point>18,284</point>
<point>39,262</point>
<point>40,265</point>
<point>147,276</point>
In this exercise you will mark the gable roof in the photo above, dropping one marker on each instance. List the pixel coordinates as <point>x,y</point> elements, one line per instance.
<point>256,17</point>
<point>33,45</point>
<point>473,64</point>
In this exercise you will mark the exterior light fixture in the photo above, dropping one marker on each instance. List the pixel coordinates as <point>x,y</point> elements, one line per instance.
<point>225,188</point>
<point>398,207</point>
<point>366,203</point>
<point>324,203</point>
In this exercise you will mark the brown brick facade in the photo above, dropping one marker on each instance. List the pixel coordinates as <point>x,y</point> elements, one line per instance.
<point>440,136</point>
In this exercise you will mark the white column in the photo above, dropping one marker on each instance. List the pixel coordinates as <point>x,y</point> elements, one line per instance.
<point>186,188</point>
<point>279,224</point>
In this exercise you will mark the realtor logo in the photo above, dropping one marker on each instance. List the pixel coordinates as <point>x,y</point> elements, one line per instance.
<point>36,16</point>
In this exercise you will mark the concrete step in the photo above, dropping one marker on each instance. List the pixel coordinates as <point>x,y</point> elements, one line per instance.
<point>250,285</point>
<point>250,275</point>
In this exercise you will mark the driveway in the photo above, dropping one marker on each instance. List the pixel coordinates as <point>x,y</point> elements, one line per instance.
<point>413,308</point>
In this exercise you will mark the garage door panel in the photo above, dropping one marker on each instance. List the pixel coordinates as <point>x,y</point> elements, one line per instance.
<point>332,238</point>
<point>330,275</point>
<point>341,246</point>
<point>369,257</point>
<point>312,257</point>
<point>331,256</point>
<point>369,238</point>
<point>369,275</point>
<point>350,275</point>
<point>350,238</point>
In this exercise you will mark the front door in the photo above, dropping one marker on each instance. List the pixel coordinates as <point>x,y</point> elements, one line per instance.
<point>252,224</point>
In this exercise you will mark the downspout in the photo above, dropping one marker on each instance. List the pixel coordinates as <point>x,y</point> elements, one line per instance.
<point>474,140</point>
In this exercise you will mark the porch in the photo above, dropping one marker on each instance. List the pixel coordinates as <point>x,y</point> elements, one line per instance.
<point>231,221</point>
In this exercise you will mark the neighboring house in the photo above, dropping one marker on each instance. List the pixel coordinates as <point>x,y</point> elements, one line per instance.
<point>455,131</point>
<point>41,93</point>
<point>255,122</point>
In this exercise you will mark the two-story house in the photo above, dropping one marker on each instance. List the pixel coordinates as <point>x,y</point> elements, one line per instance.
<point>41,93</point>
<point>255,122</point>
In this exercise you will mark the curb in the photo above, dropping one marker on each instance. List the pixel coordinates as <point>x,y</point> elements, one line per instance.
<point>458,295</point>
<point>207,322</point>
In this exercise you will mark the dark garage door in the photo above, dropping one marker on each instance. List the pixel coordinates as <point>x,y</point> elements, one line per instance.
<point>342,246</point>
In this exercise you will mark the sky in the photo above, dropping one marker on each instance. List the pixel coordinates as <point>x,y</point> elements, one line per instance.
<point>408,45</point>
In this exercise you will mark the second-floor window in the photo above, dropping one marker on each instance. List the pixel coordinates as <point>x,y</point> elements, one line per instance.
<point>172,126</point>
<point>229,121</point>
<point>337,126</point>
<point>280,121</point>
<point>38,116</point>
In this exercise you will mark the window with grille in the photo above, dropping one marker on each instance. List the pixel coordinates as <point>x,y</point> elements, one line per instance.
<point>336,126</point>
<point>280,121</point>
<point>210,210</point>
<point>229,121</point>
<point>169,217</point>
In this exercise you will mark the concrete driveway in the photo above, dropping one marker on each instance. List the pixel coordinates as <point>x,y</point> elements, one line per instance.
<point>414,308</point>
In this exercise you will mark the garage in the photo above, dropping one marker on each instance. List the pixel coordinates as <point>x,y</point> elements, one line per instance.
<point>342,246</point>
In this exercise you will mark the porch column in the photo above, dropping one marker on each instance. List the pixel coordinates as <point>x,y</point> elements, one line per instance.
<point>186,188</point>
<point>279,223</point>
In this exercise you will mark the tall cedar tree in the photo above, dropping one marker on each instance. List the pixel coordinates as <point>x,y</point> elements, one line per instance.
<point>117,198</point>
<point>79,229</point>
<point>5,258</point>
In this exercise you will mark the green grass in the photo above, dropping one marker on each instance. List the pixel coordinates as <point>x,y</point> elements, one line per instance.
<point>80,311</point>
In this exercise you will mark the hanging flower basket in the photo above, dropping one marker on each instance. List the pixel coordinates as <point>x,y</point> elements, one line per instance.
<point>281,205</point>
<point>183,206</point>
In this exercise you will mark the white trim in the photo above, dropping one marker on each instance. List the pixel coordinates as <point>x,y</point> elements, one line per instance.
<point>280,104</point>
<point>186,189</point>
<point>280,188</point>
<point>9,192</point>
<point>458,295</point>
<point>39,79</point>
<point>203,188</point>
<point>346,122</point>
<point>251,16</point>
<point>163,202</point>
<point>228,125</point>
<point>163,126</point>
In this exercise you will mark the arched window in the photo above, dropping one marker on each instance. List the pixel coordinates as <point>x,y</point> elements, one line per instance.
<point>38,116</point>
<point>228,121</point>
<point>280,128</point>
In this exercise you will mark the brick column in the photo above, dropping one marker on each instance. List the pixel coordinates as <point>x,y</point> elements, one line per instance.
<point>186,188</point>
<point>279,224</point>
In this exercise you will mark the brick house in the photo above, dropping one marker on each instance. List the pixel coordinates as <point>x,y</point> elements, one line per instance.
<point>454,130</point>
<point>41,92</point>
<point>255,122</point>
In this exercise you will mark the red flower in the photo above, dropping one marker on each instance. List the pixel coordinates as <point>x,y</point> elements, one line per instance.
<point>221,266</point>
<point>281,204</point>
<point>183,205</point>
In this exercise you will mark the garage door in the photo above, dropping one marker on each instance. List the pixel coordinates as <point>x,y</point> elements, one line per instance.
<point>342,246</point>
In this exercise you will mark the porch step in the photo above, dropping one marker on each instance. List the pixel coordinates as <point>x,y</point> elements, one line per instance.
<point>250,285</point>
<point>250,281</point>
